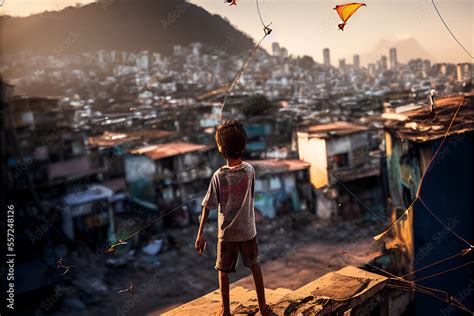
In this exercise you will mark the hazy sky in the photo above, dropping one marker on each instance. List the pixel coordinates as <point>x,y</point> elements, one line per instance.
<point>307,26</point>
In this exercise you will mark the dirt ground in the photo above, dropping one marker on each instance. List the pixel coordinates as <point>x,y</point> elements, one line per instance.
<point>293,251</point>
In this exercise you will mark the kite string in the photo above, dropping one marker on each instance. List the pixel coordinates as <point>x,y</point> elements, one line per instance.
<point>418,192</point>
<point>239,73</point>
<point>159,217</point>
<point>449,299</point>
<point>229,89</point>
<point>433,264</point>
<point>449,30</point>
<point>444,271</point>
<point>260,15</point>
<point>412,285</point>
<point>442,223</point>
<point>397,221</point>
<point>355,196</point>
<point>267,32</point>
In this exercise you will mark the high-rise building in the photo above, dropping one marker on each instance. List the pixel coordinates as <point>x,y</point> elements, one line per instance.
<point>443,69</point>
<point>326,57</point>
<point>113,56</point>
<point>393,58</point>
<point>371,68</point>
<point>279,51</point>
<point>143,61</point>
<point>356,61</point>
<point>177,50</point>
<point>101,57</point>
<point>196,48</point>
<point>124,57</point>
<point>342,64</point>
<point>275,49</point>
<point>426,64</point>
<point>383,63</point>
<point>459,72</point>
<point>463,72</point>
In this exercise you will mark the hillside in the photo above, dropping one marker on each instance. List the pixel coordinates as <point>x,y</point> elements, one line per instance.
<point>407,49</point>
<point>131,25</point>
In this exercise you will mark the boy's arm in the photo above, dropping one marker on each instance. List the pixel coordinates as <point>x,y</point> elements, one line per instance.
<point>200,243</point>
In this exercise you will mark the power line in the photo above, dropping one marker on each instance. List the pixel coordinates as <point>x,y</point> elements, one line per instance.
<point>412,286</point>
<point>445,271</point>
<point>442,223</point>
<point>449,30</point>
<point>461,253</point>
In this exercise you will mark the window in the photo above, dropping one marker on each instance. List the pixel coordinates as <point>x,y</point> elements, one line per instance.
<point>339,160</point>
<point>258,185</point>
<point>275,183</point>
<point>360,155</point>
<point>167,194</point>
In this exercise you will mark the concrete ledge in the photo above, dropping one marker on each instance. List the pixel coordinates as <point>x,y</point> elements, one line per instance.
<point>349,291</point>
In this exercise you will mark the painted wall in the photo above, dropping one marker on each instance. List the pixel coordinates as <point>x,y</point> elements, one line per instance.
<point>313,150</point>
<point>355,145</point>
<point>140,171</point>
<point>274,192</point>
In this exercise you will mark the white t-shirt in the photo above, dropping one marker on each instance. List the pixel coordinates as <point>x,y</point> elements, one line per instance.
<point>231,191</point>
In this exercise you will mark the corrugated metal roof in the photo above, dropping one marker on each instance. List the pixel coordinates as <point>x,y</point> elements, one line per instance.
<point>111,139</point>
<point>274,166</point>
<point>421,124</point>
<point>161,151</point>
<point>336,128</point>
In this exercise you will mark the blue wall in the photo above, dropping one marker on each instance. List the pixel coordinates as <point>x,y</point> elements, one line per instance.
<point>448,190</point>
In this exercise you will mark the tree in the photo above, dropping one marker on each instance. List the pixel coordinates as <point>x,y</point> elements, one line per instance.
<point>258,104</point>
<point>306,62</point>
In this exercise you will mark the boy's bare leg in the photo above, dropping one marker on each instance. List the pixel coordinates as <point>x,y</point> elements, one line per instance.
<point>224,287</point>
<point>260,288</point>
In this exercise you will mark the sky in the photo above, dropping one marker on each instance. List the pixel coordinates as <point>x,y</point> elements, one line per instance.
<point>305,27</point>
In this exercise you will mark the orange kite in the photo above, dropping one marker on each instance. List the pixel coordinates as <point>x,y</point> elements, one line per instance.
<point>345,11</point>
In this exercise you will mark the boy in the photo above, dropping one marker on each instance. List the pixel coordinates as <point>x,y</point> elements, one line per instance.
<point>232,192</point>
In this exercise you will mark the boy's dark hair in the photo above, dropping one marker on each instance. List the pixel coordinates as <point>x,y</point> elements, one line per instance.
<point>232,138</point>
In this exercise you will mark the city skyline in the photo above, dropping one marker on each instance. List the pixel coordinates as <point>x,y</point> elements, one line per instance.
<point>317,20</point>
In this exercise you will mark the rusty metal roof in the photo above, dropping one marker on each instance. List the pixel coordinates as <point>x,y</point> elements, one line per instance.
<point>336,128</point>
<point>275,166</point>
<point>161,151</point>
<point>420,124</point>
<point>111,139</point>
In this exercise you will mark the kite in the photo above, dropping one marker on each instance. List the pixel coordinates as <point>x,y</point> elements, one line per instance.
<point>345,11</point>
<point>232,2</point>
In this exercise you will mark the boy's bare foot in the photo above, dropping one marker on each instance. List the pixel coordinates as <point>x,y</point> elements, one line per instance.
<point>220,310</point>
<point>265,312</point>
